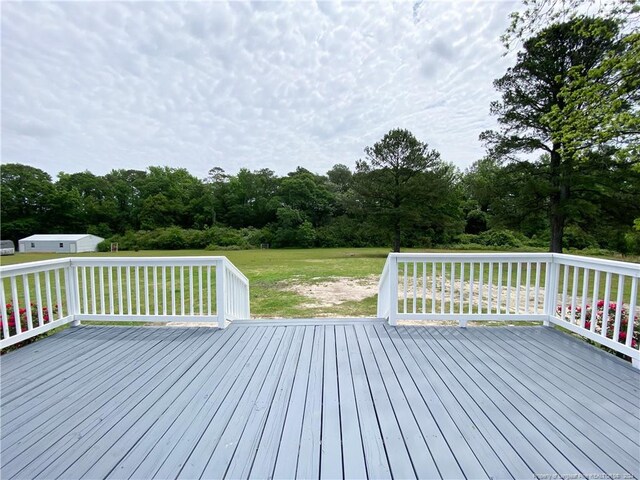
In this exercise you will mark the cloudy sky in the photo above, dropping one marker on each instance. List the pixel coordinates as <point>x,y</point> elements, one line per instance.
<point>98,86</point>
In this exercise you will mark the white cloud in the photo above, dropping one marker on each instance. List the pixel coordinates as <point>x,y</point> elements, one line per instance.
<point>264,84</point>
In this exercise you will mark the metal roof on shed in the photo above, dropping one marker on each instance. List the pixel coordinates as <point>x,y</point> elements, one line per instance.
<point>57,237</point>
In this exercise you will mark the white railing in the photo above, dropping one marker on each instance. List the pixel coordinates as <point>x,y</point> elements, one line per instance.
<point>39,296</point>
<point>565,290</point>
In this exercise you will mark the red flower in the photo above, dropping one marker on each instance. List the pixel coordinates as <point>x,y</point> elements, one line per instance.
<point>600,303</point>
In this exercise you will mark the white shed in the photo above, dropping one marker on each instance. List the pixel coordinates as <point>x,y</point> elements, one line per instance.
<point>60,243</point>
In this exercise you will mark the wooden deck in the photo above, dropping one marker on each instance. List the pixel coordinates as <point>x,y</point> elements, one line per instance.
<point>321,399</point>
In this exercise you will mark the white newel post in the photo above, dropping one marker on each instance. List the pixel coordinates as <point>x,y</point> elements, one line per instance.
<point>248,303</point>
<point>551,289</point>
<point>393,290</point>
<point>73,299</point>
<point>220,294</point>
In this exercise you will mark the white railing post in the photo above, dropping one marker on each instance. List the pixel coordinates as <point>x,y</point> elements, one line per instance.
<point>393,289</point>
<point>551,288</point>
<point>221,302</point>
<point>247,303</point>
<point>72,290</point>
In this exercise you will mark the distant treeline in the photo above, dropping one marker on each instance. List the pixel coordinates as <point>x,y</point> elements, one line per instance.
<point>168,208</point>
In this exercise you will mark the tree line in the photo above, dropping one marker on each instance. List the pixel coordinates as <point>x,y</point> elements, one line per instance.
<point>570,104</point>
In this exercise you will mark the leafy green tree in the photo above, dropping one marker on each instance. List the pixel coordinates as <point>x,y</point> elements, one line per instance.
<point>340,178</point>
<point>402,185</point>
<point>309,194</point>
<point>127,196</point>
<point>26,193</point>
<point>536,15</point>
<point>248,198</point>
<point>214,185</point>
<point>180,198</point>
<point>99,208</point>
<point>535,95</point>
<point>292,229</point>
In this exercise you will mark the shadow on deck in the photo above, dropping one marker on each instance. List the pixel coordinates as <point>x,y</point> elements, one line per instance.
<point>326,400</point>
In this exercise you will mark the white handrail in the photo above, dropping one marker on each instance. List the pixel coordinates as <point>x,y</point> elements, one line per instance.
<point>564,290</point>
<point>36,297</point>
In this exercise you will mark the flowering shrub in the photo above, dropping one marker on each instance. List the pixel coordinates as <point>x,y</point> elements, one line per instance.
<point>597,315</point>
<point>22,314</point>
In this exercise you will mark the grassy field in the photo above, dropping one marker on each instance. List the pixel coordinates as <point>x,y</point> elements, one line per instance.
<point>294,283</point>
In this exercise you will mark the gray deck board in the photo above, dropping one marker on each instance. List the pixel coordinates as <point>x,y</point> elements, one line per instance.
<point>557,413</point>
<point>577,362</point>
<point>147,454</point>
<point>169,455</point>
<point>331,436</point>
<point>267,441</point>
<point>464,388</point>
<point>250,381</point>
<point>315,399</point>
<point>352,452</point>
<point>309,449</point>
<point>97,390</point>
<point>375,452</point>
<point>53,359</point>
<point>61,415</point>
<point>576,407</point>
<point>532,409</point>
<point>560,454</point>
<point>442,415</point>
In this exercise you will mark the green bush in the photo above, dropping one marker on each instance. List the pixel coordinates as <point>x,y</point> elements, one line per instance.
<point>104,246</point>
<point>576,238</point>
<point>467,238</point>
<point>499,238</point>
<point>176,238</point>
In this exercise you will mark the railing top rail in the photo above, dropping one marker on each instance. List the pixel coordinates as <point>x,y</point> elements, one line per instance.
<point>30,267</point>
<point>235,270</point>
<point>613,266</point>
<point>192,260</point>
<point>472,256</point>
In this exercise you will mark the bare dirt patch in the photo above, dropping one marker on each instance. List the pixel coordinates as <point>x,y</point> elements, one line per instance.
<point>332,291</point>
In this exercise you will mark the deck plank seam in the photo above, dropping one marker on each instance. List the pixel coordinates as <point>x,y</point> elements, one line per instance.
<point>415,376</point>
<point>466,377</point>
<point>233,378</point>
<point>472,400</point>
<point>376,407</point>
<point>481,366</point>
<point>412,409</point>
<point>397,420</point>
<point>68,409</point>
<point>272,390</point>
<point>571,351</point>
<point>230,345</point>
<point>96,429</point>
<point>279,335</point>
<point>209,351</point>
<point>577,398</point>
<point>577,373</point>
<point>288,393</point>
<point>54,361</point>
<point>82,362</point>
<point>579,429</point>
